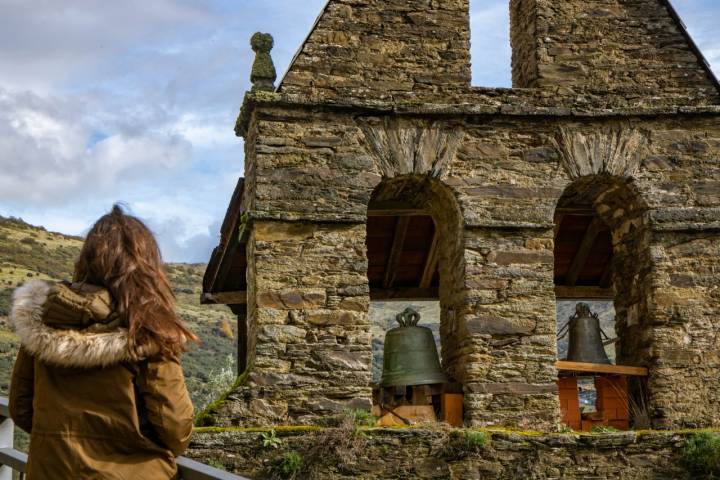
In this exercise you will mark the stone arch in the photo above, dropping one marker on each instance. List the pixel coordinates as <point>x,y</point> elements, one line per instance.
<point>618,208</point>
<point>425,196</point>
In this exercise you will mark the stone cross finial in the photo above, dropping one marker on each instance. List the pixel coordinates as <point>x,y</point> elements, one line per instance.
<point>263,73</point>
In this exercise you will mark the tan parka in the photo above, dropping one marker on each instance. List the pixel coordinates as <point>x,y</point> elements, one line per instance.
<point>92,409</point>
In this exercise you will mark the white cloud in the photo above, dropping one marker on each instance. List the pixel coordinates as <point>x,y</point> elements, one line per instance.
<point>45,156</point>
<point>43,42</point>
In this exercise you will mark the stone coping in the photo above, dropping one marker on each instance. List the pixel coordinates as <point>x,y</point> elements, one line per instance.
<point>493,431</point>
<point>484,101</point>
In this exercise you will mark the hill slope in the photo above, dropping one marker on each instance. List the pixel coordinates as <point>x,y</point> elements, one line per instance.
<point>29,252</point>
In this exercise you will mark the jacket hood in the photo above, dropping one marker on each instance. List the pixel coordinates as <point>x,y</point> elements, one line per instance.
<point>69,347</point>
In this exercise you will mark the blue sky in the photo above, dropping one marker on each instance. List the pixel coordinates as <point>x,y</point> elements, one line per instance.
<point>135,101</point>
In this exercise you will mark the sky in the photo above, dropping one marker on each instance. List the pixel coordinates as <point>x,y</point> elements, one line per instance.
<point>136,101</point>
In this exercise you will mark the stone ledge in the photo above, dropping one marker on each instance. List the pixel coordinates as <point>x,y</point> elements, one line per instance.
<point>445,453</point>
<point>509,102</point>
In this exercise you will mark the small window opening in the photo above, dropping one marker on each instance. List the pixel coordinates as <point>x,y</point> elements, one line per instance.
<point>490,50</point>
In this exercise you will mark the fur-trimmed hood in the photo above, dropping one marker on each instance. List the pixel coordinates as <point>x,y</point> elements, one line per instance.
<point>63,347</point>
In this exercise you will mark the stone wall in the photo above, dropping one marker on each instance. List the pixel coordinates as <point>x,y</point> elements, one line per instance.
<point>633,46</point>
<point>380,48</point>
<point>313,171</point>
<point>312,353</point>
<point>438,454</point>
<point>387,49</point>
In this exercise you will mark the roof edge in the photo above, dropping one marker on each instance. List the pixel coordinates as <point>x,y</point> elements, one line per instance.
<point>302,45</point>
<point>691,42</point>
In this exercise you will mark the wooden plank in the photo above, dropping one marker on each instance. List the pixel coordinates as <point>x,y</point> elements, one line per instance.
<point>579,293</point>
<point>406,212</point>
<point>225,298</point>
<point>401,229</point>
<point>240,310</point>
<point>404,294</point>
<point>585,211</point>
<point>431,263</point>
<point>452,409</point>
<point>584,251</point>
<point>558,221</point>
<point>606,277</point>
<point>564,365</point>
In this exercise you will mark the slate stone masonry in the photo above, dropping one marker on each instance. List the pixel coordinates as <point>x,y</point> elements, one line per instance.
<point>380,93</point>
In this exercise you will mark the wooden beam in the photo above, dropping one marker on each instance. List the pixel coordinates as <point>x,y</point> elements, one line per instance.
<point>404,294</point>
<point>583,293</point>
<point>401,228</point>
<point>581,367</point>
<point>431,263</point>
<point>409,212</point>
<point>585,211</point>
<point>558,221</point>
<point>584,251</point>
<point>606,277</point>
<point>242,337</point>
<point>225,298</point>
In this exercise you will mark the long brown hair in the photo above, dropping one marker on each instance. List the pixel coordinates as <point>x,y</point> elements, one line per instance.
<point>120,253</point>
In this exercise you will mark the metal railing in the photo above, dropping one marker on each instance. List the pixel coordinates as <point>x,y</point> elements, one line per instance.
<point>15,460</point>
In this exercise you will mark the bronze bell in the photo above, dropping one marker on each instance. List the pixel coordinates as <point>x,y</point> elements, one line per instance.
<point>410,354</point>
<point>585,343</point>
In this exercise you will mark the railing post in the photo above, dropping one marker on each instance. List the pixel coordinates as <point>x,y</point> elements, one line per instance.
<point>7,428</point>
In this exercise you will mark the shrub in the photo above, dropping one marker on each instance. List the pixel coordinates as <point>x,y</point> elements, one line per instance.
<point>291,464</point>
<point>476,439</point>
<point>702,455</point>
<point>362,418</point>
<point>462,443</point>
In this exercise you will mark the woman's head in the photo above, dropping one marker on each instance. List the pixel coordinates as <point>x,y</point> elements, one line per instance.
<point>121,254</point>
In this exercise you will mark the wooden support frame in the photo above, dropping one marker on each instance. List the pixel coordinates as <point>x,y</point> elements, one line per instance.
<point>398,294</point>
<point>395,209</point>
<point>401,229</point>
<point>580,367</point>
<point>431,263</point>
<point>593,230</point>
<point>580,293</point>
<point>225,298</point>
<point>558,221</point>
<point>606,277</point>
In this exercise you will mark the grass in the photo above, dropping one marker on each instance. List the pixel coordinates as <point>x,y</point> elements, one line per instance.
<point>701,455</point>
<point>291,464</point>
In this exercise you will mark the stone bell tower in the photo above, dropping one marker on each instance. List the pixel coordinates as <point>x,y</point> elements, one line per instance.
<point>374,170</point>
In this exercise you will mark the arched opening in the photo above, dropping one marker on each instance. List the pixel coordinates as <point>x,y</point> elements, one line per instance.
<point>601,260</point>
<point>414,238</point>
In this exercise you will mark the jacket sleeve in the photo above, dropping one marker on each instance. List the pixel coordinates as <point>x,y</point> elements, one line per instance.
<point>167,404</point>
<point>22,388</point>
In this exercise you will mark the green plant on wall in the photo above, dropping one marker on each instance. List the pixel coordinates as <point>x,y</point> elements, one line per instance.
<point>362,418</point>
<point>462,443</point>
<point>702,455</point>
<point>271,440</point>
<point>291,464</point>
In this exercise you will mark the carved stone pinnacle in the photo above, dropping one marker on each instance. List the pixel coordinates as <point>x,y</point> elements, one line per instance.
<point>263,73</point>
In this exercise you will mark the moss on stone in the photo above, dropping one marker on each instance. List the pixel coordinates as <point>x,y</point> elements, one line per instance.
<point>203,418</point>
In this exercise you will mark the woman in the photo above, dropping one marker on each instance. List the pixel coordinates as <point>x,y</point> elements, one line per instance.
<point>97,382</point>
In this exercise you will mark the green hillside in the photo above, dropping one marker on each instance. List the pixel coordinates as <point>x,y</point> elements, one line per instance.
<point>29,252</point>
